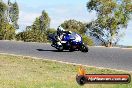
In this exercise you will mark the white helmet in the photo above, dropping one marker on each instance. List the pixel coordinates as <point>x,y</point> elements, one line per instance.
<point>60,29</point>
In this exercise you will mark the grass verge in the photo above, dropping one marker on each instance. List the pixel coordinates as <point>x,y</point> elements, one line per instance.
<point>24,72</point>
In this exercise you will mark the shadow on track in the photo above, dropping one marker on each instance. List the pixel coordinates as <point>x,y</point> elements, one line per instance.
<point>51,50</point>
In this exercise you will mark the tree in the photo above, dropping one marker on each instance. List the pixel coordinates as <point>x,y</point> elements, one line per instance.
<point>87,40</point>
<point>112,15</point>
<point>36,25</point>
<point>44,21</point>
<point>75,26</point>
<point>3,9</point>
<point>38,31</point>
<point>13,12</point>
<point>7,31</point>
<point>51,31</point>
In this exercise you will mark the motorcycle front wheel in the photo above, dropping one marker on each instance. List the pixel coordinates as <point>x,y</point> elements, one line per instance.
<point>84,48</point>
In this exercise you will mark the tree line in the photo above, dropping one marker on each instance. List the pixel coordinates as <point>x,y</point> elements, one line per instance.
<point>9,14</point>
<point>38,31</point>
<point>112,16</point>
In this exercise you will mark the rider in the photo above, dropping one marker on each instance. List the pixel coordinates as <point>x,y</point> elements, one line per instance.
<point>61,32</point>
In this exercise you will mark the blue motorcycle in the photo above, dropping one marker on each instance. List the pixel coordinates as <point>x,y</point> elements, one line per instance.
<point>71,42</point>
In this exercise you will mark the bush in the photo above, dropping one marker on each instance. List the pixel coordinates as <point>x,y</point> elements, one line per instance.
<point>31,36</point>
<point>87,40</point>
<point>51,31</point>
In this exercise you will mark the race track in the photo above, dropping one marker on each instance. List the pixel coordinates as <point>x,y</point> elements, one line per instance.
<point>114,58</point>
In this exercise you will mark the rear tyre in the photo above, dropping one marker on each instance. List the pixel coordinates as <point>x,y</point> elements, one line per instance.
<point>70,47</point>
<point>84,48</point>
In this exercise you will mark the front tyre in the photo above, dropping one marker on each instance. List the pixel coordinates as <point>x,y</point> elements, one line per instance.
<point>84,48</point>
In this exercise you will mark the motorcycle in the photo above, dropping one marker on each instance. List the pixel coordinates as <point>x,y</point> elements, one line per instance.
<point>69,42</point>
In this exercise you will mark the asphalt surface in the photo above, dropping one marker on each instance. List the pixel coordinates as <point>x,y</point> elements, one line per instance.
<point>114,58</point>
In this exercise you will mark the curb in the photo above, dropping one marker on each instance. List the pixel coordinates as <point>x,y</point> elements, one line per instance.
<point>22,41</point>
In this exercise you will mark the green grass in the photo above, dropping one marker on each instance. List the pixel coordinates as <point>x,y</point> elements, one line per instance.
<point>129,46</point>
<point>23,72</point>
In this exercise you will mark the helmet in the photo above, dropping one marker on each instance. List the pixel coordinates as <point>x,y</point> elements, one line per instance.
<point>60,29</point>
